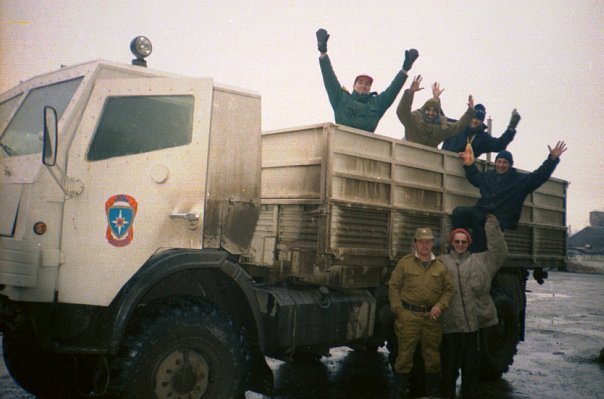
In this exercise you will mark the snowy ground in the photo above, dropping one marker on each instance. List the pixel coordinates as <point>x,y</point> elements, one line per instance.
<point>558,359</point>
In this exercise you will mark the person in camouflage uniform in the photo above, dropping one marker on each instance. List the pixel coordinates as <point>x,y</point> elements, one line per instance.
<point>419,290</point>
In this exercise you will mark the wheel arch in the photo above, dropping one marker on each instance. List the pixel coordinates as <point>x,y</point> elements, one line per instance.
<point>202,274</point>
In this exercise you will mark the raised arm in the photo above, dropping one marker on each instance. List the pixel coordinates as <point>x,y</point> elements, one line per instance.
<point>436,90</point>
<point>330,80</point>
<point>544,172</point>
<point>387,97</point>
<point>497,247</point>
<point>462,123</point>
<point>403,111</point>
<point>473,174</point>
<point>559,149</point>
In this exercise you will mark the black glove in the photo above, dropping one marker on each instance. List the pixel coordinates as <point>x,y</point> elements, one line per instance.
<point>322,37</point>
<point>410,57</point>
<point>514,119</point>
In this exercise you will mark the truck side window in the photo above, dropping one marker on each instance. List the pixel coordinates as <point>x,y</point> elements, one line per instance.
<point>23,134</point>
<point>138,124</point>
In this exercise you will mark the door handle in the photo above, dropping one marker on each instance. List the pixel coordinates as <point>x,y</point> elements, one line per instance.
<point>191,217</point>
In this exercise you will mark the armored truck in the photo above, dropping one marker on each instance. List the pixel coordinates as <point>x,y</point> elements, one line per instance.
<point>155,243</point>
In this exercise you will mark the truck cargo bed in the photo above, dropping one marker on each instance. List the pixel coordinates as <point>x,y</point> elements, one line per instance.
<point>340,206</point>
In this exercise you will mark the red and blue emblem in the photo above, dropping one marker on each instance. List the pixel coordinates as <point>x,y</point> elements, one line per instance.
<point>120,210</point>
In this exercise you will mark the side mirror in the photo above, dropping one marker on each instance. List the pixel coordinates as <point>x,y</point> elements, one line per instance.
<point>49,150</point>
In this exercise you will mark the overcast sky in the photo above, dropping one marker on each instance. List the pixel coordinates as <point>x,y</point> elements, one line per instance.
<point>545,58</point>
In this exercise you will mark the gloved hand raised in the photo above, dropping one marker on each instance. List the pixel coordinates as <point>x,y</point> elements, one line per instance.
<point>514,119</point>
<point>322,37</point>
<point>410,57</point>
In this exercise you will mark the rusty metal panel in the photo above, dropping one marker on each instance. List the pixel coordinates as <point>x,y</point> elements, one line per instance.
<point>547,200</point>
<point>263,243</point>
<point>548,216</point>
<point>298,225</point>
<point>550,242</point>
<point>233,173</point>
<point>360,190</point>
<point>293,163</point>
<point>418,198</point>
<point>298,181</point>
<point>418,155</point>
<point>358,228</point>
<point>520,241</point>
<point>454,200</point>
<point>358,166</point>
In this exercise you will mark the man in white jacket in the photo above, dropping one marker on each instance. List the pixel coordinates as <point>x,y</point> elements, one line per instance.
<point>470,309</point>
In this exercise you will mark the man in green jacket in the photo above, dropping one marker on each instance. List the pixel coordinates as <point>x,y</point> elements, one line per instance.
<point>428,125</point>
<point>362,109</point>
<point>419,290</point>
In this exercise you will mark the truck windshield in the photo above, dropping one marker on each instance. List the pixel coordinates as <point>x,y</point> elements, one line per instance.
<point>23,135</point>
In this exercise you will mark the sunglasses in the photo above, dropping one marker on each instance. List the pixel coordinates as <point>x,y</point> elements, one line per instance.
<point>460,242</point>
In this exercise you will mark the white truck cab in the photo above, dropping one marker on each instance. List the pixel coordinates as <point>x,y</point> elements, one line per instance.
<point>106,178</point>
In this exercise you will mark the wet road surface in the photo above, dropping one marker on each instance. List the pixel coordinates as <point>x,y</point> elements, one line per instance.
<point>557,360</point>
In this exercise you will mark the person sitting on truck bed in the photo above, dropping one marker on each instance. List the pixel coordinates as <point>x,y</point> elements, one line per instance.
<point>476,135</point>
<point>362,109</point>
<point>471,307</point>
<point>502,192</point>
<point>419,290</point>
<point>428,125</point>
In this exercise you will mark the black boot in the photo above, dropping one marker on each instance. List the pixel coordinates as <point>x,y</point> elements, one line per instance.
<point>432,385</point>
<point>400,386</point>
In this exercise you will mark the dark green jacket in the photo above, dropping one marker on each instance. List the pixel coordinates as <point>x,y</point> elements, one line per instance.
<point>361,111</point>
<point>431,133</point>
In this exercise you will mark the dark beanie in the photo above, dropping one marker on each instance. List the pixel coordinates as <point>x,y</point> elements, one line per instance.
<point>505,155</point>
<point>481,112</point>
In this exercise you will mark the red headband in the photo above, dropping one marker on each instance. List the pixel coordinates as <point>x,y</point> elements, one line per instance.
<point>464,232</point>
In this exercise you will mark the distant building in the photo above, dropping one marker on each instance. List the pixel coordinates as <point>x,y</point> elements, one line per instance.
<point>585,249</point>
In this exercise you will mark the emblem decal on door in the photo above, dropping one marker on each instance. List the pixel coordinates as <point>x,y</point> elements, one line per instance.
<point>120,210</point>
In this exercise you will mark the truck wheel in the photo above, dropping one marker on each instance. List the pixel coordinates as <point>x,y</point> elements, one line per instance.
<point>41,373</point>
<point>499,343</point>
<point>180,352</point>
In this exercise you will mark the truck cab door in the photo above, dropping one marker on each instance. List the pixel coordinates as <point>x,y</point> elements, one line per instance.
<point>140,152</point>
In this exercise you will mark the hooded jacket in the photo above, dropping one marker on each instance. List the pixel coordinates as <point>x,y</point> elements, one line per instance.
<point>504,194</point>
<point>482,142</point>
<point>430,133</point>
<point>471,307</point>
<point>361,111</point>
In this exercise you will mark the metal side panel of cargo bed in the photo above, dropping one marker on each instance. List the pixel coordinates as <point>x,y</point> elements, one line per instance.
<point>340,206</point>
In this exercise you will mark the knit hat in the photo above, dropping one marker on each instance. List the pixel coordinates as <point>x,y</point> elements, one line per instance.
<point>460,230</point>
<point>481,112</point>
<point>369,78</point>
<point>424,233</point>
<point>505,155</point>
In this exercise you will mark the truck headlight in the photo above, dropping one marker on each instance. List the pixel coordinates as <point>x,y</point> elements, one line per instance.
<point>141,48</point>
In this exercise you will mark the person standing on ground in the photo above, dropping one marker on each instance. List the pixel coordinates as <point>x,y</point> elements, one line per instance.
<point>428,125</point>
<point>470,309</point>
<point>419,290</point>
<point>502,193</point>
<point>362,109</point>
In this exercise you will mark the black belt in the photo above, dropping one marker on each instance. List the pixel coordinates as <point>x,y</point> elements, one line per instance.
<point>415,308</point>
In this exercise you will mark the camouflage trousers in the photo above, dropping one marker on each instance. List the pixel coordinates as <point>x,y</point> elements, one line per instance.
<point>411,328</point>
